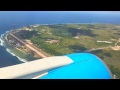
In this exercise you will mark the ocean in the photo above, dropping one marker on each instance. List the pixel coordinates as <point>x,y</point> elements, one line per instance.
<point>10,20</point>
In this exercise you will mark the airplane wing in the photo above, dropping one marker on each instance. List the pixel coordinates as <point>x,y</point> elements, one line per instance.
<point>71,66</point>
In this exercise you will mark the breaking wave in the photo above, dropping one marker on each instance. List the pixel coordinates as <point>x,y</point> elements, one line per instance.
<point>23,60</point>
<point>9,51</point>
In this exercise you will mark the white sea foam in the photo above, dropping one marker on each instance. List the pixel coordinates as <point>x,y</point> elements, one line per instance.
<point>7,32</point>
<point>2,42</point>
<point>23,60</point>
<point>1,39</point>
<point>9,51</point>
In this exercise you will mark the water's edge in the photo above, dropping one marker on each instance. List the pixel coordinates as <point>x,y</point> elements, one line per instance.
<point>7,49</point>
<point>2,38</point>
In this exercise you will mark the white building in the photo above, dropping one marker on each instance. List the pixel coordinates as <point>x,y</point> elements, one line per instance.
<point>104,41</point>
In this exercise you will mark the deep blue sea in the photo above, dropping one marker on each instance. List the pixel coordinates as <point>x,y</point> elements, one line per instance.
<point>15,19</point>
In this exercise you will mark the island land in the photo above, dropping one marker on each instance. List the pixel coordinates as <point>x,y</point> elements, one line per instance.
<point>40,41</point>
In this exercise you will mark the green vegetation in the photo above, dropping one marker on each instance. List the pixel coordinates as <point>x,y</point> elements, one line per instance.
<point>115,71</point>
<point>71,38</point>
<point>88,34</point>
<point>74,35</point>
<point>27,34</point>
<point>18,53</point>
<point>111,58</point>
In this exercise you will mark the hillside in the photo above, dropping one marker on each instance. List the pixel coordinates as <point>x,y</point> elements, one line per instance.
<point>61,39</point>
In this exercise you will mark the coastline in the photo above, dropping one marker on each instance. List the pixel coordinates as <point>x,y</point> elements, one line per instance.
<point>23,60</point>
<point>92,23</point>
<point>3,43</point>
<point>6,44</point>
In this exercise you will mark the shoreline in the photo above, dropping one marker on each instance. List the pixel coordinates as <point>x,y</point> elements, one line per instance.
<point>7,49</point>
<point>3,36</point>
<point>73,23</point>
<point>66,24</point>
<point>23,60</point>
<point>62,23</point>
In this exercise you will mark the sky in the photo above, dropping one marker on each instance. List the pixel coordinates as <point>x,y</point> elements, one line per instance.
<point>59,16</point>
<point>25,13</point>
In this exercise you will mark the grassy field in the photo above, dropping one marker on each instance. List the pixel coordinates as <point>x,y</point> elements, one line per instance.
<point>18,53</point>
<point>111,58</point>
<point>78,38</point>
<point>88,35</point>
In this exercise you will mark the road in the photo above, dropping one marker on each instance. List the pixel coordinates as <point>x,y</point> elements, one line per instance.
<point>30,47</point>
<point>112,47</point>
<point>37,49</point>
<point>43,54</point>
<point>97,49</point>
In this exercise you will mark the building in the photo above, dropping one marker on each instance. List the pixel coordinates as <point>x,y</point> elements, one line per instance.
<point>104,41</point>
<point>52,41</point>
